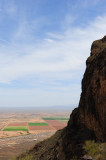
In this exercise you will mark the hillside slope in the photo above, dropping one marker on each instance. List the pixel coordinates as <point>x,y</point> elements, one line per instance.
<point>86,122</point>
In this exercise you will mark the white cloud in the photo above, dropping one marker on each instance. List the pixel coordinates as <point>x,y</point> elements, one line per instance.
<point>49,40</point>
<point>66,54</point>
<point>85,4</point>
<point>60,56</point>
<point>55,36</point>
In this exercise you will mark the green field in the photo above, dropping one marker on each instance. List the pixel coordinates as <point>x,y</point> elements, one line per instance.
<point>37,124</point>
<point>55,118</point>
<point>16,128</point>
<point>64,121</point>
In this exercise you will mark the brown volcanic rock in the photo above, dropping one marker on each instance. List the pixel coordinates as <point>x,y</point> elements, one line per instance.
<point>92,105</point>
<point>86,122</point>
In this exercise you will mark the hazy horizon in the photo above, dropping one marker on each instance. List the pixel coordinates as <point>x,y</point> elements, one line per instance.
<point>38,108</point>
<point>43,50</point>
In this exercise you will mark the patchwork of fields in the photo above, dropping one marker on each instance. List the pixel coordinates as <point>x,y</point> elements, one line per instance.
<point>20,131</point>
<point>50,123</point>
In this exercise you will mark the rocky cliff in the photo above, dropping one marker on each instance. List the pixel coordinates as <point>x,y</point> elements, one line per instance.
<point>86,122</point>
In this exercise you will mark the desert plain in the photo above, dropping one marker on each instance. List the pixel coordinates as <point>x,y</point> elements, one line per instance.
<point>21,130</point>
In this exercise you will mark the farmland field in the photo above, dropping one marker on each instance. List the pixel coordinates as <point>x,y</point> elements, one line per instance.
<point>56,124</point>
<point>64,121</point>
<point>19,129</point>
<point>40,128</point>
<point>18,124</point>
<point>55,118</point>
<point>37,124</point>
<point>15,128</point>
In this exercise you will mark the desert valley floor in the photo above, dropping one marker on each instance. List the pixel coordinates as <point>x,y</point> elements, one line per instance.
<point>20,131</point>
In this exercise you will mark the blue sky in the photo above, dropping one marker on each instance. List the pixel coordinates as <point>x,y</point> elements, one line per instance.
<point>43,48</point>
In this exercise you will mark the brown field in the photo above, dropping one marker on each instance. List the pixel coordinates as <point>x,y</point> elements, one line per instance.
<point>59,127</point>
<point>13,143</point>
<point>5,134</point>
<point>55,123</point>
<point>40,128</point>
<point>18,124</point>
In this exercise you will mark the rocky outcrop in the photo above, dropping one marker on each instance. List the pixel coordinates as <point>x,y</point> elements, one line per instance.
<point>92,104</point>
<point>86,122</point>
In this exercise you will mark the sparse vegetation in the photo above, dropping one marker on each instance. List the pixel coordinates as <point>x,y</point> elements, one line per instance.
<point>96,150</point>
<point>27,157</point>
<point>74,158</point>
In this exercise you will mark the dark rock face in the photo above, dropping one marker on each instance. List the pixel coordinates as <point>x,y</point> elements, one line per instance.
<point>93,98</point>
<point>87,122</point>
<point>92,105</point>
